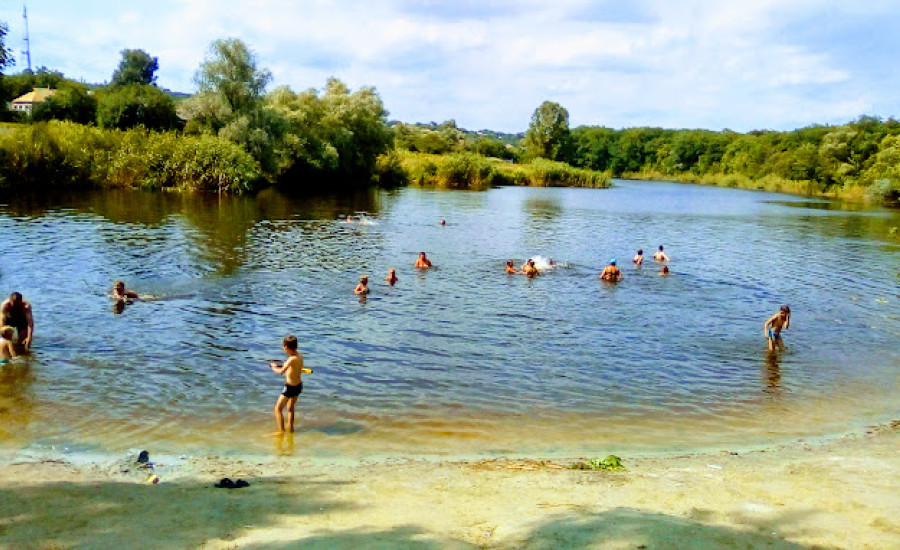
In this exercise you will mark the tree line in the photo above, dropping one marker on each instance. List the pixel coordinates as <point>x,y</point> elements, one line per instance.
<point>319,139</point>
<point>293,139</point>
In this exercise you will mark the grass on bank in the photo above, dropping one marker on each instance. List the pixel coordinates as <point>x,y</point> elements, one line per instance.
<point>476,172</point>
<point>881,192</point>
<point>63,154</point>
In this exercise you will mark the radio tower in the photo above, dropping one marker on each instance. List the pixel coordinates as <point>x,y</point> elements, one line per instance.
<point>27,51</point>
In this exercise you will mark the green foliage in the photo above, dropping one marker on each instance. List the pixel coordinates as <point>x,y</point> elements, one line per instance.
<point>611,462</point>
<point>132,105</point>
<point>71,102</point>
<point>389,170</point>
<point>548,134</point>
<point>338,133</point>
<point>442,139</point>
<point>230,102</point>
<point>6,55</point>
<point>230,70</point>
<point>464,171</point>
<point>15,85</point>
<point>813,160</point>
<point>136,67</point>
<point>446,138</point>
<point>63,154</point>
<point>548,173</point>
<point>475,172</point>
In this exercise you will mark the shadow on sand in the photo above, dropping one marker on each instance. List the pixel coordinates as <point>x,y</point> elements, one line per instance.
<point>192,514</point>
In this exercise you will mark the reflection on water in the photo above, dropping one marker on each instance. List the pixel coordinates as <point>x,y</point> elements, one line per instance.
<point>772,374</point>
<point>17,400</point>
<point>461,358</point>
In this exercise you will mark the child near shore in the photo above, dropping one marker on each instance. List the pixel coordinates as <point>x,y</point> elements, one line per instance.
<point>773,327</point>
<point>292,369</point>
<point>7,351</point>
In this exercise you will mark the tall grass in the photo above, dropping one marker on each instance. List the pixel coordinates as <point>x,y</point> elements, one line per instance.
<point>776,184</point>
<point>63,154</point>
<point>476,172</point>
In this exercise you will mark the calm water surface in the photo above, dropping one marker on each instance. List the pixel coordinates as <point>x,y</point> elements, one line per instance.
<point>462,359</point>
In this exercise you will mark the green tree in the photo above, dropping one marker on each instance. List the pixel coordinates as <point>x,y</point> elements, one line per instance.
<point>339,132</point>
<point>6,56</point>
<point>548,133</point>
<point>70,102</point>
<point>593,147</point>
<point>230,102</point>
<point>136,67</point>
<point>230,70</point>
<point>134,105</point>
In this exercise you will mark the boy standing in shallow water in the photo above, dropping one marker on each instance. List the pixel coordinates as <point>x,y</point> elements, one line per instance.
<point>293,385</point>
<point>773,327</point>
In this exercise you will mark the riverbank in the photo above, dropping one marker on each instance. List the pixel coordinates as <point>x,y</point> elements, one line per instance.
<point>834,494</point>
<point>852,193</point>
<point>470,171</point>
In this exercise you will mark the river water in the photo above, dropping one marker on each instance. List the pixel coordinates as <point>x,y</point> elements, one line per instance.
<point>462,359</point>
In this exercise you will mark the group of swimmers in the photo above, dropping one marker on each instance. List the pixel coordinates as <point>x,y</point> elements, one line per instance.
<point>17,325</point>
<point>613,274</point>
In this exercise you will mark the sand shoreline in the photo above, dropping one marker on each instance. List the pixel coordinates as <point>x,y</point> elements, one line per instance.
<point>836,493</point>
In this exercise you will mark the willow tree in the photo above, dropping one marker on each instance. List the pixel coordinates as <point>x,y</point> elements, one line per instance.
<point>229,102</point>
<point>548,134</point>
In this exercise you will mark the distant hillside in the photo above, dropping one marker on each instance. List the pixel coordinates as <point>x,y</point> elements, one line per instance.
<point>511,139</point>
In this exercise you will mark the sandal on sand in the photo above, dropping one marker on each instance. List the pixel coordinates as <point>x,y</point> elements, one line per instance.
<point>225,484</point>
<point>228,484</point>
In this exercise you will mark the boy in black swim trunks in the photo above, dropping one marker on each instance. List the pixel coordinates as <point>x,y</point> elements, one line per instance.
<point>293,385</point>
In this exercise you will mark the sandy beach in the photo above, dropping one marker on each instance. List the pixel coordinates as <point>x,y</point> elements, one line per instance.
<point>837,493</point>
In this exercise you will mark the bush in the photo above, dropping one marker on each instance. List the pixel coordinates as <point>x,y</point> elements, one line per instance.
<point>884,191</point>
<point>471,171</point>
<point>464,171</point>
<point>62,154</point>
<point>549,173</point>
<point>125,107</point>
<point>389,170</point>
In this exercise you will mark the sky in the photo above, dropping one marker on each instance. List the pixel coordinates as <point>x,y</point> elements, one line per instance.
<point>488,64</point>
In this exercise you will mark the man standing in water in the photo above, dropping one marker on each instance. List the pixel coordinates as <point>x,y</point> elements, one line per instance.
<point>660,256</point>
<point>773,327</point>
<point>423,262</point>
<point>611,273</point>
<point>16,312</point>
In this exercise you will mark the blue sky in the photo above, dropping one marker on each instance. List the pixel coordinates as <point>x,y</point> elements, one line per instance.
<point>711,64</point>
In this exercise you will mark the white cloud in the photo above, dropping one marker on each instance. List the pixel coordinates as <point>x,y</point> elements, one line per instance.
<point>697,63</point>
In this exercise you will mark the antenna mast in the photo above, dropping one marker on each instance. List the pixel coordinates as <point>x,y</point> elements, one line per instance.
<point>27,40</point>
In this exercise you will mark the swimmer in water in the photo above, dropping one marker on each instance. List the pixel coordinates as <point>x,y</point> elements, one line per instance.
<point>530,270</point>
<point>392,277</point>
<point>611,273</point>
<point>660,256</point>
<point>423,262</point>
<point>638,259</point>
<point>443,222</point>
<point>119,292</point>
<point>510,268</point>
<point>363,287</point>
<point>664,272</point>
<point>773,327</point>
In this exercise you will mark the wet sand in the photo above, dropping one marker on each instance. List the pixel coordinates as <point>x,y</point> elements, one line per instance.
<point>840,493</point>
